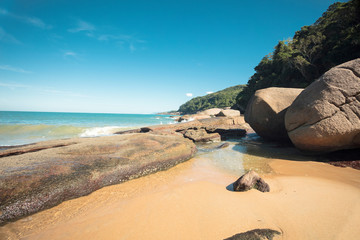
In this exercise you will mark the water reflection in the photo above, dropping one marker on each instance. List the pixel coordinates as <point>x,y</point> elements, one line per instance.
<point>249,153</point>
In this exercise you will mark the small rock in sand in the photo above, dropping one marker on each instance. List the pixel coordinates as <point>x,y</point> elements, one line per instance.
<point>251,180</point>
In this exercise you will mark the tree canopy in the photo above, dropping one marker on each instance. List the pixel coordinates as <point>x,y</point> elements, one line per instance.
<point>220,99</point>
<point>333,39</point>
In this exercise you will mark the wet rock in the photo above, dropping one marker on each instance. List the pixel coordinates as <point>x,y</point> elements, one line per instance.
<point>42,175</point>
<point>325,117</point>
<point>201,135</point>
<point>266,109</point>
<point>251,180</point>
<point>223,145</point>
<point>256,234</point>
<point>129,131</point>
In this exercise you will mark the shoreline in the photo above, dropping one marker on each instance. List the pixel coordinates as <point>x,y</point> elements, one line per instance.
<point>157,206</point>
<point>191,198</point>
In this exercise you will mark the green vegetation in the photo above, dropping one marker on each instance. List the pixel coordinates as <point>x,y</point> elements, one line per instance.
<point>333,39</point>
<point>220,99</point>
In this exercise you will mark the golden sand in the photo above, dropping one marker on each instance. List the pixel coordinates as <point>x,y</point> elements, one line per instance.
<point>308,200</point>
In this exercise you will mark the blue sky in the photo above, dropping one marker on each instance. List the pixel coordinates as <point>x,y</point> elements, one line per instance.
<point>136,56</point>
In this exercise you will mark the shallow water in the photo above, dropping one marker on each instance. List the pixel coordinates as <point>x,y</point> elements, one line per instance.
<point>18,128</point>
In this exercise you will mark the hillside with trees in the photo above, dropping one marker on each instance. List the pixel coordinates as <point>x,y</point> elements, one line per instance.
<point>333,39</point>
<point>220,99</point>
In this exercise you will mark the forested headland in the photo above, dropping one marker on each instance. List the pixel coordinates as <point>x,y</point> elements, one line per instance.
<point>220,99</point>
<point>333,39</point>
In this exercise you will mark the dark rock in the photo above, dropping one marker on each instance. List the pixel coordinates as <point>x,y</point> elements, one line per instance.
<point>201,136</point>
<point>325,117</point>
<point>266,109</point>
<point>251,180</point>
<point>228,133</point>
<point>227,127</point>
<point>138,130</point>
<point>42,175</point>
<point>223,145</point>
<point>256,234</point>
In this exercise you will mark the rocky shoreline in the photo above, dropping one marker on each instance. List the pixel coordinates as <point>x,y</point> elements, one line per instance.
<point>41,175</point>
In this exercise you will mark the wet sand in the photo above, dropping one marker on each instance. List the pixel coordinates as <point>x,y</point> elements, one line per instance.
<point>308,200</point>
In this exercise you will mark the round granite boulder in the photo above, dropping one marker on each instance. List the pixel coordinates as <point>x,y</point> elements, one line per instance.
<point>266,110</point>
<point>325,117</point>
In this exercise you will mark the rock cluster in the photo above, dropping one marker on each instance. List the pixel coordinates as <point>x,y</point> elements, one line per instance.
<point>209,113</point>
<point>325,117</point>
<point>201,130</point>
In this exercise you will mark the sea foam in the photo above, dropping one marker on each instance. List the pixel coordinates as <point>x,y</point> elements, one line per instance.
<point>100,131</point>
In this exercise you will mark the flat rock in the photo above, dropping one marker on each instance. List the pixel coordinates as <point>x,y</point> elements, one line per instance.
<point>201,135</point>
<point>210,112</point>
<point>42,175</point>
<point>266,110</point>
<point>325,117</point>
<point>228,113</point>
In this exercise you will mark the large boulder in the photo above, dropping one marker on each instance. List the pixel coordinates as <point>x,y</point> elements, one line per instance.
<point>266,109</point>
<point>42,175</point>
<point>325,117</point>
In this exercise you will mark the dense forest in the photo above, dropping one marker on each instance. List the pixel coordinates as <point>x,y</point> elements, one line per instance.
<point>333,39</point>
<point>220,99</point>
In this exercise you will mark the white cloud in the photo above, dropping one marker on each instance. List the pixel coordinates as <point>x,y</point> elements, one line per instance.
<point>37,22</point>
<point>209,92</point>
<point>42,90</point>
<point>83,26</point>
<point>132,47</point>
<point>13,85</point>
<point>189,94</point>
<point>6,37</point>
<point>122,39</point>
<point>70,53</point>
<point>128,41</point>
<point>13,69</point>
<point>29,20</point>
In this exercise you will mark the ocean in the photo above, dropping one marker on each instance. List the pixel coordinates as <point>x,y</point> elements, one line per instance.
<point>17,128</point>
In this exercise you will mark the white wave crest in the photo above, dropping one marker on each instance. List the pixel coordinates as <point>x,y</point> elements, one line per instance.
<point>99,131</point>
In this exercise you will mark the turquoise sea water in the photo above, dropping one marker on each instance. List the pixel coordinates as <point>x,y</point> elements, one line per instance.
<point>18,128</point>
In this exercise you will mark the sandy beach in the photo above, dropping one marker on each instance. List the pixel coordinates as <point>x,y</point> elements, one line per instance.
<point>308,200</point>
